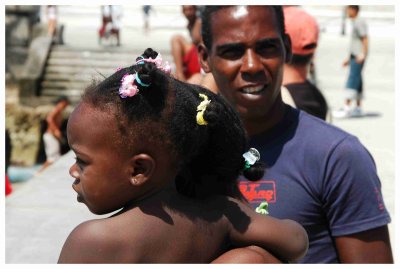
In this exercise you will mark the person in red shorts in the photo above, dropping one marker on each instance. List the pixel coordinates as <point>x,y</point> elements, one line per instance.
<point>187,65</point>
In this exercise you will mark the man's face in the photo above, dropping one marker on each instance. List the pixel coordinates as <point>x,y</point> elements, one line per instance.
<point>247,58</point>
<point>351,12</point>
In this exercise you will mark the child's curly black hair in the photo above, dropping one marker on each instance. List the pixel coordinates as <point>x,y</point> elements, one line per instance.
<point>208,158</point>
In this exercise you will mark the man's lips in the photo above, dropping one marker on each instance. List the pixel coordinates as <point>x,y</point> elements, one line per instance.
<point>257,89</point>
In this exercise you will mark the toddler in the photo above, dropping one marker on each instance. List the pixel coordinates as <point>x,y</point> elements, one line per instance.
<point>167,155</point>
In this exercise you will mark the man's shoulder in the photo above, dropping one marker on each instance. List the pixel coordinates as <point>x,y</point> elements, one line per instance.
<point>314,131</point>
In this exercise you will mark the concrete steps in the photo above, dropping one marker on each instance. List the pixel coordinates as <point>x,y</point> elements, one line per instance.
<point>70,70</point>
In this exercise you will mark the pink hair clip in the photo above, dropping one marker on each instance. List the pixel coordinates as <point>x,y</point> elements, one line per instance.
<point>128,87</point>
<point>166,67</point>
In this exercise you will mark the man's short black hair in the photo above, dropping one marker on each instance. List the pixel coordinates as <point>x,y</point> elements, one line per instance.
<point>209,10</point>
<point>355,7</point>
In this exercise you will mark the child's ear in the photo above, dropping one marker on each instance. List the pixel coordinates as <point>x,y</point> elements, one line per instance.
<point>203,57</point>
<point>143,167</point>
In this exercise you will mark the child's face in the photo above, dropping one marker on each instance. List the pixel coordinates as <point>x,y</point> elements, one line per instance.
<point>102,172</point>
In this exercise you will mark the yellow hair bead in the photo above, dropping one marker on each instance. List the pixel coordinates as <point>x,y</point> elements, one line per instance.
<point>201,108</point>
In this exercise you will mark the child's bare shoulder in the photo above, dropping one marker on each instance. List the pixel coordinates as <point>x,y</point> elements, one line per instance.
<point>94,241</point>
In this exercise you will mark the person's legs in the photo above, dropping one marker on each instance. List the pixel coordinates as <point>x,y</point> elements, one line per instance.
<point>116,33</point>
<point>51,27</point>
<point>353,91</point>
<point>52,149</point>
<point>179,47</point>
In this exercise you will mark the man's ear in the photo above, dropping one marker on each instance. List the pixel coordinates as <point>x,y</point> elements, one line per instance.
<point>143,167</point>
<point>288,48</point>
<point>203,57</point>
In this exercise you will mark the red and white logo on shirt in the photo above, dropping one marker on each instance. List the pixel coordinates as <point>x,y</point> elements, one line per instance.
<point>260,191</point>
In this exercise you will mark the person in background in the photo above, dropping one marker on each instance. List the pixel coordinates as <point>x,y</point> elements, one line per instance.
<point>8,159</point>
<point>111,23</point>
<point>358,54</point>
<point>316,173</point>
<point>53,135</point>
<point>184,52</point>
<point>51,12</point>
<point>303,31</point>
<point>146,17</point>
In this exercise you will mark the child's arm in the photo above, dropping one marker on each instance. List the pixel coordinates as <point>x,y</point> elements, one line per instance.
<point>247,255</point>
<point>284,238</point>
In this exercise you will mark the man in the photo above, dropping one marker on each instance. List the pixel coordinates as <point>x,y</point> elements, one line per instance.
<point>356,60</point>
<point>185,52</point>
<point>303,31</point>
<point>316,173</point>
<point>53,137</point>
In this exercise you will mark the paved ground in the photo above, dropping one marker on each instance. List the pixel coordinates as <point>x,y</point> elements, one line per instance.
<point>42,212</point>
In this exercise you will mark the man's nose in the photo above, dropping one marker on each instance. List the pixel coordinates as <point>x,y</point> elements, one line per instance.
<point>251,64</point>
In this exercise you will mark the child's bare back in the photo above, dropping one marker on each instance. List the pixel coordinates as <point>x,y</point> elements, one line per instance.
<point>178,230</point>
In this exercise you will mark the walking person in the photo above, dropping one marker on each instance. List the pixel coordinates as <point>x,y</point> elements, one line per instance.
<point>358,55</point>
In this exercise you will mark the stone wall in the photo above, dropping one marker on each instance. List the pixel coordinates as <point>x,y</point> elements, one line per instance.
<point>24,124</point>
<point>22,24</point>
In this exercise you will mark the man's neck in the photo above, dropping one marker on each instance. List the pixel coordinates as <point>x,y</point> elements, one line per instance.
<point>259,125</point>
<point>294,74</point>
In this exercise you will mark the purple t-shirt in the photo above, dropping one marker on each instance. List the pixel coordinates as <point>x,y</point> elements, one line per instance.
<point>319,176</point>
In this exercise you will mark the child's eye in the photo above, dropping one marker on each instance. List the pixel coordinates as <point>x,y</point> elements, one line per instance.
<point>80,163</point>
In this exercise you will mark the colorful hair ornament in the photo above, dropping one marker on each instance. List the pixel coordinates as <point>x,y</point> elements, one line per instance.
<point>263,208</point>
<point>251,157</point>
<point>128,87</point>
<point>201,108</point>
<point>165,67</point>
<point>140,82</point>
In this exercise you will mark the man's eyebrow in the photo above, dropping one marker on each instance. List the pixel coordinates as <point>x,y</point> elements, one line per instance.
<point>268,40</point>
<point>238,45</point>
<point>227,46</point>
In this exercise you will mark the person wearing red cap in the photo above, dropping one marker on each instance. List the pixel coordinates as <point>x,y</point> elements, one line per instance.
<point>303,31</point>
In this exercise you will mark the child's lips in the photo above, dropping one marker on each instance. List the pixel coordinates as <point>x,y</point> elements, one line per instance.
<point>74,186</point>
<point>79,199</point>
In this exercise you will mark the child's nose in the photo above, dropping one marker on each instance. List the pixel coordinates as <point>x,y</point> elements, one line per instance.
<point>73,172</point>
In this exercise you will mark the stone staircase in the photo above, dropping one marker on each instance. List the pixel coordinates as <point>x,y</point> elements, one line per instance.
<point>69,70</point>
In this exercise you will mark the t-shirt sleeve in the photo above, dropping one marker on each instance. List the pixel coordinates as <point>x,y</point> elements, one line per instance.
<point>352,198</point>
<point>362,28</point>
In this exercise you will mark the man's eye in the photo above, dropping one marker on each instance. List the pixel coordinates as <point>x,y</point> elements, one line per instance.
<point>232,54</point>
<point>268,51</point>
